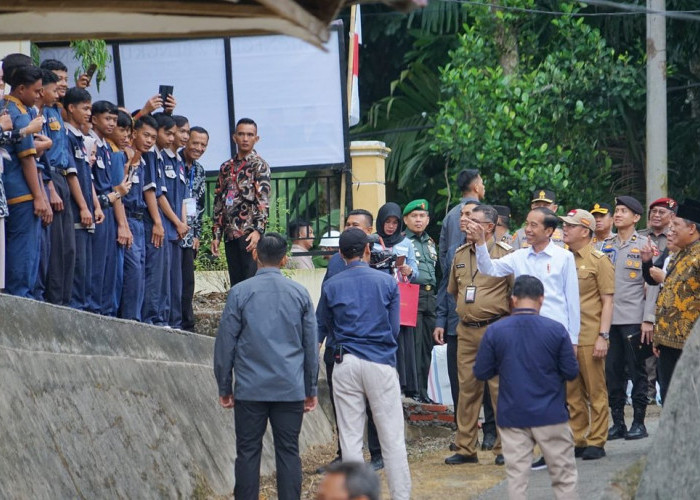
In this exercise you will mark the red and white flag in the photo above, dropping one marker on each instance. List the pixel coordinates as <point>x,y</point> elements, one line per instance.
<point>355,42</point>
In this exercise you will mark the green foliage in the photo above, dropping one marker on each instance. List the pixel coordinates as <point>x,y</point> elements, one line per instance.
<point>205,261</point>
<point>90,52</point>
<point>544,119</point>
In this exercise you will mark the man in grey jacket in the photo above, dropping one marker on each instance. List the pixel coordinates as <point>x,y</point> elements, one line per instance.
<point>267,335</point>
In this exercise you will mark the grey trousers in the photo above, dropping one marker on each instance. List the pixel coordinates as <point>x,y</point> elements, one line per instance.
<point>355,380</point>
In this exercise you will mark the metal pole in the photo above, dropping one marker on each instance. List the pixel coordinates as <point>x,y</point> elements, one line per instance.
<point>656,147</point>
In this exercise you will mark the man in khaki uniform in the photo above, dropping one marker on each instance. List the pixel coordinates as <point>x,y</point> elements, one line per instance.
<point>540,198</point>
<point>596,283</point>
<point>481,300</point>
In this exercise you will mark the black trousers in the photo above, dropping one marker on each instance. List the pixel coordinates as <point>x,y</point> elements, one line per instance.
<point>188,256</point>
<point>489,425</point>
<point>451,341</point>
<point>251,419</point>
<point>423,339</point>
<point>668,357</point>
<point>622,355</point>
<point>59,279</point>
<point>241,265</point>
<point>375,449</point>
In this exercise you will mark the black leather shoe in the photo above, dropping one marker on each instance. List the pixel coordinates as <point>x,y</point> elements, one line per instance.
<point>377,463</point>
<point>637,431</point>
<point>458,459</point>
<point>499,460</point>
<point>538,464</point>
<point>593,453</point>
<point>578,451</point>
<point>453,447</point>
<point>489,441</point>
<point>617,431</point>
<point>322,469</point>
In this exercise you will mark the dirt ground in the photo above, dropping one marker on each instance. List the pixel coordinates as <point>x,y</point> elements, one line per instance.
<point>431,478</point>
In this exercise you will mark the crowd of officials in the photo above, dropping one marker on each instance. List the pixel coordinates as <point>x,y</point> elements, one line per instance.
<point>544,328</point>
<point>100,207</point>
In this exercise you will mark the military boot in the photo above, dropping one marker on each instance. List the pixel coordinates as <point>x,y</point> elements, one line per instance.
<point>638,430</point>
<point>618,429</point>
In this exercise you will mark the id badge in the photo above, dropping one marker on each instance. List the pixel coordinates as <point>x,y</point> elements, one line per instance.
<point>190,207</point>
<point>229,198</point>
<point>470,295</point>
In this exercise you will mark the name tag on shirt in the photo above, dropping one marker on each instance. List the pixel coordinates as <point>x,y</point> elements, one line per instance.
<point>135,178</point>
<point>190,206</point>
<point>78,153</point>
<point>170,173</point>
<point>100,162</point>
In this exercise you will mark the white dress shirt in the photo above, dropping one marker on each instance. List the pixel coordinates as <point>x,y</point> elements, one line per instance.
<point>555,268</point>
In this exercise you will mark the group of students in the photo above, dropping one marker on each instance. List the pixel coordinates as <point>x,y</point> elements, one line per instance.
<point>101,209</point>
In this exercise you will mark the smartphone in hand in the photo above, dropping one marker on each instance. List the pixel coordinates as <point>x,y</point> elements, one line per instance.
<point>165,91</point>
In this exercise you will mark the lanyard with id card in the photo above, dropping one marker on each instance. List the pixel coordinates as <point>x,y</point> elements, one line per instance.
<point>233,188</point>
<point>470,291</point>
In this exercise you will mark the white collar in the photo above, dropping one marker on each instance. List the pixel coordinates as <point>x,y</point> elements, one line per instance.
<point>169,152</point>
<point>74,130</point>
<point>100,142</point>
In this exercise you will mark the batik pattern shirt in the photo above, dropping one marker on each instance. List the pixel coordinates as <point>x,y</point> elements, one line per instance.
<point>197,189</point>
<point>241,199</point>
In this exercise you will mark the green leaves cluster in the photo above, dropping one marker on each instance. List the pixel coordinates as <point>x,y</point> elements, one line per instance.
<point>544,120</point>
<point>90,52</point>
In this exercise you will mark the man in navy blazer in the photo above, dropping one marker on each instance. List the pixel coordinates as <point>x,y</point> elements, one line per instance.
<point>533,357</point>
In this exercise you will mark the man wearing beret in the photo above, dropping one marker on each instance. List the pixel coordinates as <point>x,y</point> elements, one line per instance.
<point>540,198</point>
<point>596,284</point>
<point>678,306</point>
<point>416,217</point>
<point>632,322</point>
<point>603,213</point>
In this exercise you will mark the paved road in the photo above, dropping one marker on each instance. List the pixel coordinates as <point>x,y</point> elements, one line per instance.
<point>594,475</point>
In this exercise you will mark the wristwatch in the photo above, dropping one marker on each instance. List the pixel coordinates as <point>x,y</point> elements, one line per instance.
<point>605,335</point>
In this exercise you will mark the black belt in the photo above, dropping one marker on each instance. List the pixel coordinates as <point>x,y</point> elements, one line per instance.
<point>135,215</point>
<point>479,324</point>
<point>428,288</point>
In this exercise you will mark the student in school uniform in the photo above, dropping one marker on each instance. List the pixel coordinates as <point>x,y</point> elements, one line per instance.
<point>133,289</point>
<point>195,199</point>
<point>86,212</point>
<point>104,244</point>
<point>172,206</point>
<point>119,144</point>
<point>59,279</point>
<point>26,200</point>
<point>156,303</point>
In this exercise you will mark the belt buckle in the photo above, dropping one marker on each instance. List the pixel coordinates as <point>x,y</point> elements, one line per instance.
<point>427,288</point>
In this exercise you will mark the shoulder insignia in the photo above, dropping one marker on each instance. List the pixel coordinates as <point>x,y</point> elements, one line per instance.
<point>504,245</point>
<point>459,249</point>
<point>514,237</point>
<point>633,238</point>
<point>598,254</point>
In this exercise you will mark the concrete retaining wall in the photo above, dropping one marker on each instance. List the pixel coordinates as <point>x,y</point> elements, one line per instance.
<point>92,407</point>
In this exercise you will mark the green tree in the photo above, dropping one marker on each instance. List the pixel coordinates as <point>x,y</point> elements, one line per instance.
<point>534,104</point>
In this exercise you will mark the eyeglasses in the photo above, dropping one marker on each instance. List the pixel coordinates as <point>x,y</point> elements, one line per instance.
<point>479,221</point>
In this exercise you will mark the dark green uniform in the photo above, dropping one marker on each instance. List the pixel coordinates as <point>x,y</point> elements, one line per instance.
<point>426,255</point>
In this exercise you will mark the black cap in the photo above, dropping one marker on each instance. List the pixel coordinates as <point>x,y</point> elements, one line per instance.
<point>546,195</point>
<point>352,242</point>
<point>689,210</point>
<point>602,208</point>
<point>503,211</point>
<point>631,203</point>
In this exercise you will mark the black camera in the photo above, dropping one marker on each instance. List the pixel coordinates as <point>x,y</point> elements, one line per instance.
<point>380,259</point>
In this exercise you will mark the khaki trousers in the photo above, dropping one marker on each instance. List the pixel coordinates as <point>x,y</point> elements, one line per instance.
<point>471,391</point>
<point>354,381</point>
<point>588,388</point>
<point>557,446</point>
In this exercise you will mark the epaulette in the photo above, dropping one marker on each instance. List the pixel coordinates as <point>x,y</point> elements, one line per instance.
<point>460,248</point>
<point>598,254</point>
<point>504,245</point>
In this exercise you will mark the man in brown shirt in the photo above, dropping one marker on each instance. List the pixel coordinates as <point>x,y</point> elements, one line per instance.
<point>596,283</point>
<point>481,300</point>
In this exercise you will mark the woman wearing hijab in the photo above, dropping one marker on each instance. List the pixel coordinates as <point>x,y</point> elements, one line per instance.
<point>389,228</point>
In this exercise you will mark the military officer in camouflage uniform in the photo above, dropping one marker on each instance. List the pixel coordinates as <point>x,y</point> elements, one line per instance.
<point>416,217</point>
<point>540,198</point>
<point>632,322</point>
<point>603,213</point>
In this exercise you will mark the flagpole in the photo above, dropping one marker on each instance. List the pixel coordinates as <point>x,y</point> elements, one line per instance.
<point>351,62</point>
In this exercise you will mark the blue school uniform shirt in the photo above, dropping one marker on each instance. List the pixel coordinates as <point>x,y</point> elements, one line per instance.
<point>153,178</point>
<point>133,200</point>
<point>78,166</point>
<point>55,129</point>
<point>101,170</point>
<point>174,186</point>
<point>16,187</point>
<point>116,172</point>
